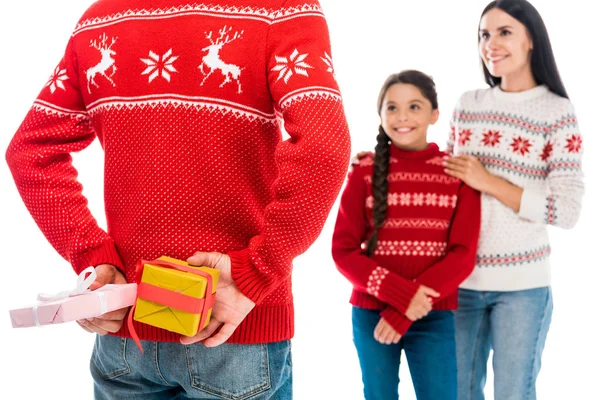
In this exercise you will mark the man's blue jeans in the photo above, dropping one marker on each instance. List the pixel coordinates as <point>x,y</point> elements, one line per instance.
<point>174,371</point>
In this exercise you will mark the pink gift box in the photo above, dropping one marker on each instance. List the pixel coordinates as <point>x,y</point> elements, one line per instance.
<point>88,304</point>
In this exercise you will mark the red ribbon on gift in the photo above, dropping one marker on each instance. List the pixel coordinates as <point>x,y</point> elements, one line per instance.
<point>169,298</point>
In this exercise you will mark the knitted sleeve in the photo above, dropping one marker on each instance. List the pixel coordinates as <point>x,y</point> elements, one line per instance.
<point>350,232</point>
<point>559,202</point>
<point>396,319</point>
<point>447,274</point>
<point>40,161</point>
<point>312,163</point>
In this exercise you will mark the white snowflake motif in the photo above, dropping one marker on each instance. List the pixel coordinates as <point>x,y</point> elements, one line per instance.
<point>56,79</point>
<point>405,199</point>
<point>431,199</point>
<point>295,64</point>
<point>444,200</point>
<point>418,199</point>
<point>159,65</point>
<point>328,60</point>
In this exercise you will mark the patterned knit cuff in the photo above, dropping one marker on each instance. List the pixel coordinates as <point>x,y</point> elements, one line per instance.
<point>106,253</point>
<point>398,321</point>
<point>533,205</point>
<point>247,277</point>
<point>392,288</point>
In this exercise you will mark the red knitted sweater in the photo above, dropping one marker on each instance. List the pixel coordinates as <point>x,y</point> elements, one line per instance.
<point>188,102</point>
<point>429,236</point>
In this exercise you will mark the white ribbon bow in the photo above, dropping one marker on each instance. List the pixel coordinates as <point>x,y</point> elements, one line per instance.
<point>83,285</point>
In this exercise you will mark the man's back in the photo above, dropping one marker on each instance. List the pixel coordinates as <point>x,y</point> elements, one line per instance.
<point>187,100</point>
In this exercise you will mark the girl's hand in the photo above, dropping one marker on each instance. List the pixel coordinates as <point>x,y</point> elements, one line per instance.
<point>469,170</point>
<point>385,334</point>
<point>421,303</point>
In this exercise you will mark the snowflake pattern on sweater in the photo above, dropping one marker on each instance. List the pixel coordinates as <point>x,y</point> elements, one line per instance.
<point>188,101</point>
<point>429,236</point>
<point>532,140</point>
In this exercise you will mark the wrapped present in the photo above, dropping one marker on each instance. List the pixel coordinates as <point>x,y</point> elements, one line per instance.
<point>174,295</point>
<point>78,303</point>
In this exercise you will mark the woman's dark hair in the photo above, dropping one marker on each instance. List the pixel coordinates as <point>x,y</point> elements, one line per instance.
<point>543,65</point>
<point>382,149</point>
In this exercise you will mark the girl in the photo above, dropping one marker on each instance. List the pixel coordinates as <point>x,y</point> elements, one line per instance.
<point>518,143</point>
<point>405,237</point>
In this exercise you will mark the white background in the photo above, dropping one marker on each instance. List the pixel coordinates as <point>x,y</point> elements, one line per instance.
<point>370,40</point>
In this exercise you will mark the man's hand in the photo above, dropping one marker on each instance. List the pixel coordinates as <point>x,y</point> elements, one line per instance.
<point>231,306</point>
<point>111,321</point>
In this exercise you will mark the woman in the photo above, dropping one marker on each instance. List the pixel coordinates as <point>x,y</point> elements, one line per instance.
<point>518,143</point>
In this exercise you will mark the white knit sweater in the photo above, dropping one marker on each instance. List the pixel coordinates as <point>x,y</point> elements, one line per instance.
<point>532,140</point>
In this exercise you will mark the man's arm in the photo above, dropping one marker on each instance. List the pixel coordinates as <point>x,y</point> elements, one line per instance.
<point>312,163</point>
<point>40,161</point>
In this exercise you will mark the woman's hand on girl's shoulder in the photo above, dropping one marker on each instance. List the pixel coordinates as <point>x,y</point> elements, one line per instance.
<point>469,170</point>
<point>360,156</point>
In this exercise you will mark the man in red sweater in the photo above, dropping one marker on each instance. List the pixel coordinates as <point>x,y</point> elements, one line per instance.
<point>188,102</point>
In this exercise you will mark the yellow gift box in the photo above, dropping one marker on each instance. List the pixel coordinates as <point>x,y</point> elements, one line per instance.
<point>173,295</point>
